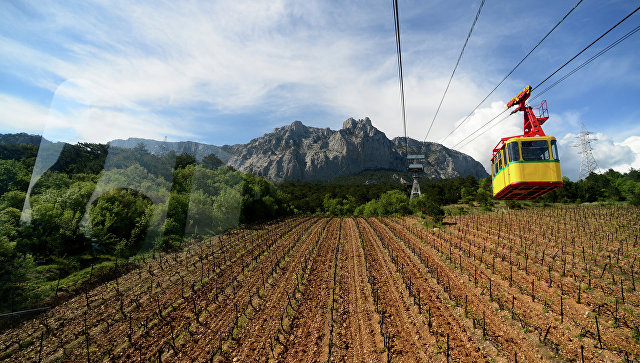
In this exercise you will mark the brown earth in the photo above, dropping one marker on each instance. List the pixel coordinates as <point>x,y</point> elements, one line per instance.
<point>364,290</point>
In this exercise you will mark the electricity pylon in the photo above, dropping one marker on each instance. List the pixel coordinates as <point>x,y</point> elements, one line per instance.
<point>588,163</point>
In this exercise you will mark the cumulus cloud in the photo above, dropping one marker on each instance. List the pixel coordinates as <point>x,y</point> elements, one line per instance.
<point>608,153</point>
<point>72,119</point>
<point>155,69</point>
<point>277,57</point>
<point>480,143</point>
<point>18,115</point>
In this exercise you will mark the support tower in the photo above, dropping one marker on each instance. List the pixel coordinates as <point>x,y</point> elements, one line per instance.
<point>416,165</point>
<point>588,163</point>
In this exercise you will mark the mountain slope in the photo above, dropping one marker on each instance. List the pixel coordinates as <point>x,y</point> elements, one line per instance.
<point>199,150</point>
<point>442,162</point>
<point>302,153</point>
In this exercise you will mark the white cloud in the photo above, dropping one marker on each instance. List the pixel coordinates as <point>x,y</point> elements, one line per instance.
<point>237,56</point>
<point>608,153</point>
<point>121,68</point>
<point>17,114</point>
<point>68,120</point>
<point>480,144</point>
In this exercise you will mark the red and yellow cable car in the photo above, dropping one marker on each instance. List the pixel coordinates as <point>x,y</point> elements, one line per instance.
<point>526,166</point>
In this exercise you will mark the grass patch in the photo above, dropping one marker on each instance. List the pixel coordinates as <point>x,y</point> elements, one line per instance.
<point>635,334</point>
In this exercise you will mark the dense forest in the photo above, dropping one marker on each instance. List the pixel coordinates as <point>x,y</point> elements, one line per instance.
<point>94,211</point>
<point>98,209</point>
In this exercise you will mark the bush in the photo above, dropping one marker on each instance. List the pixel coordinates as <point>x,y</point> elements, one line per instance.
<point>118,215</point>
<point>435,212</point>
<point>635,197</point>
<point>513,204</point>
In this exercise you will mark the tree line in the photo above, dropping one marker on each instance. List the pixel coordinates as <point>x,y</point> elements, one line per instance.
<point>97,207</point>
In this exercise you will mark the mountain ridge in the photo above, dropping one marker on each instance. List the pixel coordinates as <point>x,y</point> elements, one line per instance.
<point>304,153</point>
<point>297,152</point>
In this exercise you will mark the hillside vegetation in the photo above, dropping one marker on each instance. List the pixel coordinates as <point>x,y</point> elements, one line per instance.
<point>98,209</point>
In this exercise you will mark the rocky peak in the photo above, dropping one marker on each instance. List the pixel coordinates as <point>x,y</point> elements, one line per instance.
<point>359,127</point>
<point>303,153</point>
<point>297,126</point>
<point>352,123</point>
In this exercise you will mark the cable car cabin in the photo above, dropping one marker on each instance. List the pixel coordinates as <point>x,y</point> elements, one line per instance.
<point>416,163</point>
<point>526,166</point>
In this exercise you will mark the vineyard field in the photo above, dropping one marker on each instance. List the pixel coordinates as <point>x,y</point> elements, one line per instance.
<point>538,284</point>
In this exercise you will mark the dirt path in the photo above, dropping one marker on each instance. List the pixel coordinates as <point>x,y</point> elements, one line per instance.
<point>309,337</point>
<point>358,339</point>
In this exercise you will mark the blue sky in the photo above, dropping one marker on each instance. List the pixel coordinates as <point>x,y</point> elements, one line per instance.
<point>224,72</point>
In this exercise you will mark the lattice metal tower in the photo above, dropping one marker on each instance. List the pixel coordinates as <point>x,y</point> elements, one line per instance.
<point>588,163</point>
<point>416,165</point>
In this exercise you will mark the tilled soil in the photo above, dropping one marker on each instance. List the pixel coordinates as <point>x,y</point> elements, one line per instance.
<point>358,339</point>
<point>314,289</point>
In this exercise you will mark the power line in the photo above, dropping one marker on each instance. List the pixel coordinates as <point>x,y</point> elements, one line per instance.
<point>513,70</point>
<point>400,77</point>
<point>570,73</point>
<point>483,132</point>
<point>454,68</point>
<point>618,41</point>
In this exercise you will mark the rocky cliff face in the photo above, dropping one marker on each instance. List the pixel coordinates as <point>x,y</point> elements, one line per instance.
<point>301,153</point>
<point>441,162</point>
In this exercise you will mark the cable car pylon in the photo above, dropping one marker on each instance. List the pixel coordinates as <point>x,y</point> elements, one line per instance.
<point>416,165</point>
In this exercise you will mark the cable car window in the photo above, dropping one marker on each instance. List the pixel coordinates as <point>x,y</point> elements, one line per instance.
<point>535,150</point>
<point>500,159</point>
<point>514,153</point>
<point>554,150</point>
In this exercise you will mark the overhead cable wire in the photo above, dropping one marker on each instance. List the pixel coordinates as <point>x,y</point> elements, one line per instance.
<point>585,48</point>
<point>400,77</point>
<point>513,70</point>
<point>585,63</point>
<point>454,69</point>
<point>565,64</point>
<point>479,128</point>
<point>483,132</point>
<point>570,73</point>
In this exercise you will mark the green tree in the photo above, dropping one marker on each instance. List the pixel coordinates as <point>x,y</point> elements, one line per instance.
<point>434,211</point>
<point>200,217</point>
<point>212,162</point>
<point>484,195</point>
<point>467,195</point>
<point>13,176</point>
<point>177,214</point>
<point>13,199</point>
<point>184,160</point>
<point>120,215</point>
<point>635,196</point>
